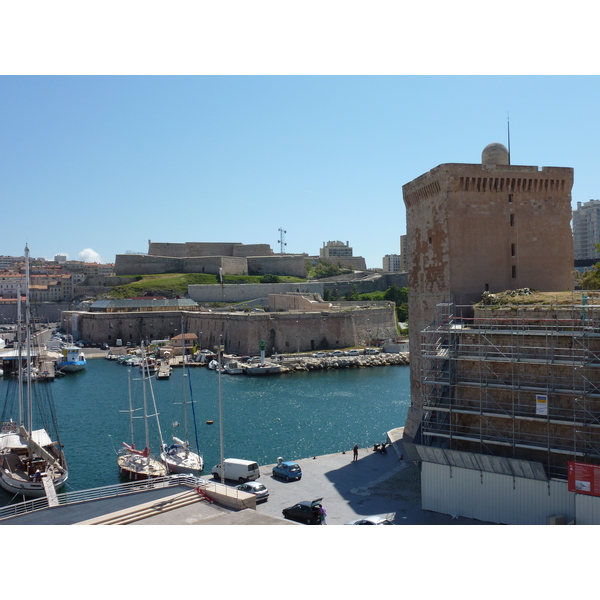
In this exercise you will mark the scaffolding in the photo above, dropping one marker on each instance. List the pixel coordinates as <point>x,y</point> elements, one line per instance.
<point>520,383</point>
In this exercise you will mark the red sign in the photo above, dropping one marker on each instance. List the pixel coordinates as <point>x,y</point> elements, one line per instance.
<point>584,478</point>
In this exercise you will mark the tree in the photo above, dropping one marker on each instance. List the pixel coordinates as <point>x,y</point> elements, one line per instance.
<point>269,279</point>
<point>590,279</point>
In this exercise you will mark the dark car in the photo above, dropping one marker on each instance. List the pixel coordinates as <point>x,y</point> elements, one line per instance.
<point>287,470</point>
<point>304,512</point>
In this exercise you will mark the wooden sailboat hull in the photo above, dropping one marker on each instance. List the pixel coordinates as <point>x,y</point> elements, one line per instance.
<point>16,482</point>
<point>136,467</point>
<point>180,463</point>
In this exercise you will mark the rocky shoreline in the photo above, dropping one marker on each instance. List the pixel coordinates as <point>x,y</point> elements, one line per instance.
<point>306,363</point>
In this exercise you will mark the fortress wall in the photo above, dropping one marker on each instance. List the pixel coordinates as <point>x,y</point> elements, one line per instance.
<point>240,332</point>
<point>212,264</point>
<point>167,249</point>
<point>245,292</point>
<point>277,265</point>
<point>252,250</point>
<point>138,264</point>
<point>211,248</point>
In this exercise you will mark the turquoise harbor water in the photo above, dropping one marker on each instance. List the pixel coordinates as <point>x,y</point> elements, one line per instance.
<point>292,415</point>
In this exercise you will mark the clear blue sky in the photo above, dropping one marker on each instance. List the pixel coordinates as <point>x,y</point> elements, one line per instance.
<point>106,163</point>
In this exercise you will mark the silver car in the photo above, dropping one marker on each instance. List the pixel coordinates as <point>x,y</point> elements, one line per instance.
<point>253,487</point>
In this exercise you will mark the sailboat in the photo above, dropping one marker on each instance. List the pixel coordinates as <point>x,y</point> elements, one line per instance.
<point>32,460</point>
<point>178,457</point>
<point>139,464</point>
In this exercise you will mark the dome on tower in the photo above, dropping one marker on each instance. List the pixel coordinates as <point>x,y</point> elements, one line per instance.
<point>494,154</point>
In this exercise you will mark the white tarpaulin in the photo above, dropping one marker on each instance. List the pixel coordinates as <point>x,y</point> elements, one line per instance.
<point>14,440</point>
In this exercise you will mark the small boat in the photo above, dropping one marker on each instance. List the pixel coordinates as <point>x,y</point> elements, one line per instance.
<point>213,365</point>
<point>164,371</point>
<point>233,368</point>
<point>71,359</point>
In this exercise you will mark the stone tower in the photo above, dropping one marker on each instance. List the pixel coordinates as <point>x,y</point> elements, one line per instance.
<point>476,227</point>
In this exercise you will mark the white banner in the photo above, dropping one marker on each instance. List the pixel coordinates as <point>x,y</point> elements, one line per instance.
<point>541,404</point>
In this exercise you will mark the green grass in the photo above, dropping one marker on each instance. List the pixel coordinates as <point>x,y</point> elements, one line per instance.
<point>176,284</point>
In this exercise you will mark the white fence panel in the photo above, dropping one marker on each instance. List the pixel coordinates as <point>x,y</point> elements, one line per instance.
<point>493,497</point>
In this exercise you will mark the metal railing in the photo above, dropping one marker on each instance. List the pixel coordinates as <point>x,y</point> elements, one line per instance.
<point>110,491</point>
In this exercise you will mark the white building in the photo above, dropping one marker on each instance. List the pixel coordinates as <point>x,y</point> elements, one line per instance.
<point>391,263</point>
<point>586,230</point>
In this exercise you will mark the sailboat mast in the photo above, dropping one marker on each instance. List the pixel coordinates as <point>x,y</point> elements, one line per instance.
<point>147,434</point>
<point>20,354</point>
<point>130,407</point>
<point>28,342</point>
<point>183,369</point>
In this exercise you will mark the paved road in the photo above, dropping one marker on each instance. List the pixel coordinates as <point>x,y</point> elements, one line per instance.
<point>376,484</point>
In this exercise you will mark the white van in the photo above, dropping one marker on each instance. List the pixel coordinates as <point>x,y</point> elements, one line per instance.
<point>237,469</point>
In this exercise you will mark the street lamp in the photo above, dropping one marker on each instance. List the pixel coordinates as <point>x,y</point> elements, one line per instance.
<point>297,339</point>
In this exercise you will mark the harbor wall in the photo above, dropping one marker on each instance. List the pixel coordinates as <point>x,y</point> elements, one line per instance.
<point>240,332</point>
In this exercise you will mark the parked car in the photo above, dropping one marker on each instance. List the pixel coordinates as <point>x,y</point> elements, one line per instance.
<point>304,512</point>
<point>287,470</point>
<point>254,487</point>
<point>375,520</point>
<point>105,346</point>
<point>371,350</point>
<point>319,354</point>
<point>353,352</point>
<point>337,353</point>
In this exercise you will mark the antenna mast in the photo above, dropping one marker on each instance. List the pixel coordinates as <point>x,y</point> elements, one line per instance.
<point>281,240</point>
<point>508,126</point>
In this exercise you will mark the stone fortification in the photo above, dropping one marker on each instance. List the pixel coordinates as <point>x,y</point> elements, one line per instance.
<point>292,265</point>
<point>249,291</point>
<point>139,264</point>
<point>341,285</point>
<point>303,302</point>
<point>241,332</point>
<point>193,249</point>
<point>476,227</point>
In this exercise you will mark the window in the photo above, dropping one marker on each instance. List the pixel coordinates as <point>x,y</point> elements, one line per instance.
<point>512,219</point>
<point>512,250</point>
<point>514,272</point>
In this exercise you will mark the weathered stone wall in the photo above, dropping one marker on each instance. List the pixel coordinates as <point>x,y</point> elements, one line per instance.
<point>277,265</point>
<point>138,264</point>
<point>245,292</point>
<point>240,332</point>
<point>194,249</point>
<point>472,227</point>
<point>304,302</point>
<point>248,250</point>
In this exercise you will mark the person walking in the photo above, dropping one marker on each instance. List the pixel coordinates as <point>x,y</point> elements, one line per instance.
<point>355,451</point>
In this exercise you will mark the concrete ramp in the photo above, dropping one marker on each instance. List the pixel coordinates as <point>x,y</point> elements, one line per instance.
<point>50,491</point>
